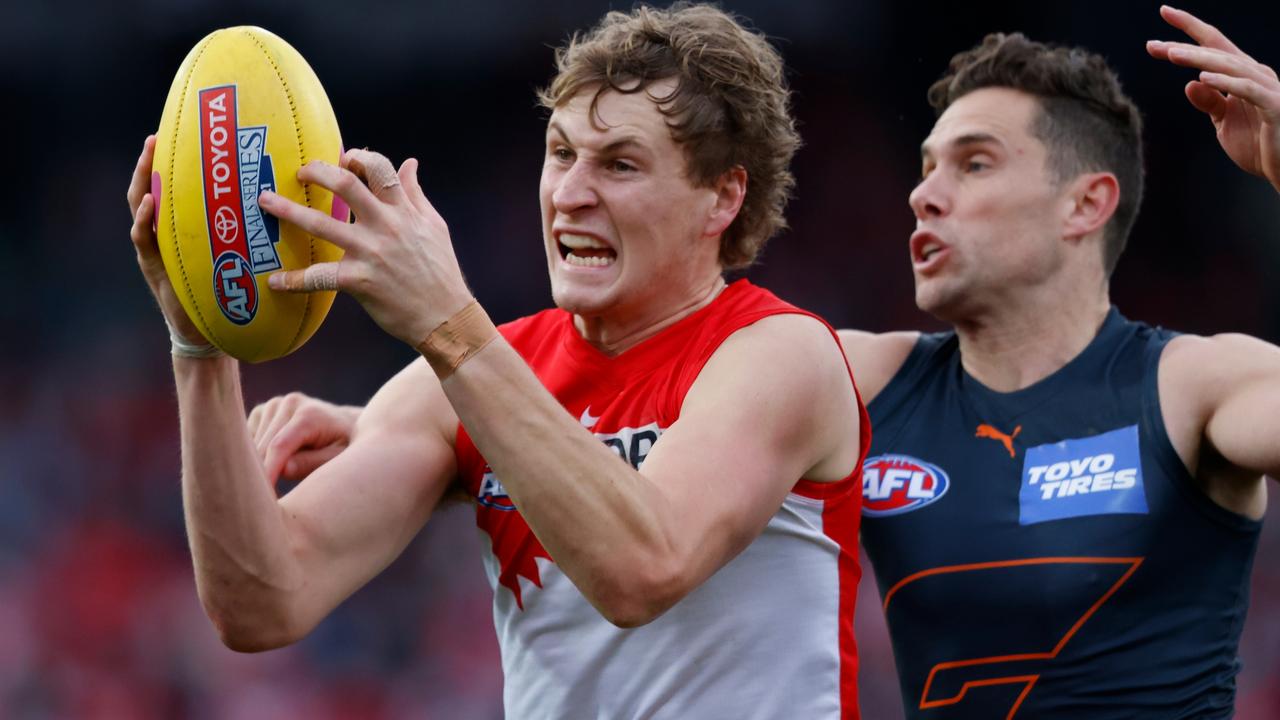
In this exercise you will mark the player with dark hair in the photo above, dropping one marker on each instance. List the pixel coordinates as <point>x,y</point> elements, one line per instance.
<point>667,467</point>
<point>1062,505</point>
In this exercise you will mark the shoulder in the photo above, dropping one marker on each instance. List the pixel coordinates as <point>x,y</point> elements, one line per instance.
<point>787,335</point>
<point>1211,365</point>
<point>792,353</point>
<point>876,357</point>
<point>1198,375</point>
<point>784,380</point>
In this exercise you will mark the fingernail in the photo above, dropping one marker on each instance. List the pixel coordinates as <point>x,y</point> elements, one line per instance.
<point>266,196</point>
<point>275,281</point>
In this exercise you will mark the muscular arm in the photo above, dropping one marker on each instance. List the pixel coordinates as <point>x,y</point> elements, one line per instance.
<point>269,570</point>
<point>1219,397</point>
<point>772,405</point>
<point>1219,394</point>
<point>876,357</point>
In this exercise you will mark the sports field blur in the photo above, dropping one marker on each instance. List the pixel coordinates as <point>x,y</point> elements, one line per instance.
<point>98,615</point>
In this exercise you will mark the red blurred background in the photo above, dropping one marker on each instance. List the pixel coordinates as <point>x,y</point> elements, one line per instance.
<point>98,615</point>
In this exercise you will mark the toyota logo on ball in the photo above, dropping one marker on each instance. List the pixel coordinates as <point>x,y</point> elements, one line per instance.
<point>226,225</point>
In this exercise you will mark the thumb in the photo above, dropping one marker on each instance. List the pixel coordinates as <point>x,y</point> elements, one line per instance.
<point>318,277</point>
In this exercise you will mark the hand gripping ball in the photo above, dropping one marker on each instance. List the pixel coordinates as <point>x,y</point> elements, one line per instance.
<point>245,112</point>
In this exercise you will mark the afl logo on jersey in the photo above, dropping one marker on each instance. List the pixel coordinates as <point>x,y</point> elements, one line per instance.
<point>895,484</point>
<point>492,494</point>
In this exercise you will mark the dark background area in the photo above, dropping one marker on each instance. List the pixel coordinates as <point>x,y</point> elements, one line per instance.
<point>98,615</point>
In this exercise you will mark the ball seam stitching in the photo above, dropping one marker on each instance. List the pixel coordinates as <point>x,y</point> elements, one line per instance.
<point>306,193</point>
<point>173,220</point>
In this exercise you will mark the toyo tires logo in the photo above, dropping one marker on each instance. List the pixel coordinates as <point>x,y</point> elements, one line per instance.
<point>235,170</point>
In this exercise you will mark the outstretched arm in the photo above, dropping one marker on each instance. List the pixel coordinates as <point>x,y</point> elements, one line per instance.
<point>1219,397</point>
<point>1239,94</point>
<point>268,569</point>
<point>1219,394</point>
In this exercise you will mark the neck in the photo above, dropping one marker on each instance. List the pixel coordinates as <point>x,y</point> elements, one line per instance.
<point>1016,345</point>
<point>612,336</point>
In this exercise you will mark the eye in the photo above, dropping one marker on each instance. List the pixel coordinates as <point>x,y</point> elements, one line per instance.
<point>563,154</point>
<point>621,166</point>
<point>976,164</point>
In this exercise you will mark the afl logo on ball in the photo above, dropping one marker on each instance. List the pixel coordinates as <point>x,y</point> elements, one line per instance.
<point>893,484</point>
<point>235,288</point>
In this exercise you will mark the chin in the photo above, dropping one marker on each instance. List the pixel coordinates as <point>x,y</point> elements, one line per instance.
<point>579,300</point>
<point>936,300</point>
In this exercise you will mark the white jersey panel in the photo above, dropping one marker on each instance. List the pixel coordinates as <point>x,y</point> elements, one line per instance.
<point>759,640</point>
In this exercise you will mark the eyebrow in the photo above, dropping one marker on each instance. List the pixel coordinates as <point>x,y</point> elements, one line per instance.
<point>627,141</point>
<point>977,138</point>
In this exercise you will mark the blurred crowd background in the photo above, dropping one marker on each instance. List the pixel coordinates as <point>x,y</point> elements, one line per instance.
<point>98,613</point>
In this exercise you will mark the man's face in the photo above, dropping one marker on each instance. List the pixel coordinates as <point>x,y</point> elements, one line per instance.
<point>625,229</point>
<point>987,210</point>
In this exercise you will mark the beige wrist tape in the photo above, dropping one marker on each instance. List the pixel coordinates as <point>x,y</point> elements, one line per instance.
<point>457,339</point>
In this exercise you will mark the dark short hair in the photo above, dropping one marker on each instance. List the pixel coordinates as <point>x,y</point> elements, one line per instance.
<point>1086,121</point>
<point>730,107</point>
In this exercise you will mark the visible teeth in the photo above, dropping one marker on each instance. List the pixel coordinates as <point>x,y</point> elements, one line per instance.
<point>928,250</point>
<point>598,261</point>
<point>578,242</point>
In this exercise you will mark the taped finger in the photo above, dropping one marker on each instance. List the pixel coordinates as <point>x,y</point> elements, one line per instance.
<point>321,277</point>
<point>376,171</point>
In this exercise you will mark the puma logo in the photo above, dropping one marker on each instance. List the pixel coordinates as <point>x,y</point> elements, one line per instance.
<point>989,431</point>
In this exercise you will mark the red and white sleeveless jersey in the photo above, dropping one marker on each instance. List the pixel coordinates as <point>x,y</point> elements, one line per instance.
<point>769,636</point>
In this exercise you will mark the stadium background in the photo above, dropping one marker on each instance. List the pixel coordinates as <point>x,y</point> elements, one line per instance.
<point>98,615</point>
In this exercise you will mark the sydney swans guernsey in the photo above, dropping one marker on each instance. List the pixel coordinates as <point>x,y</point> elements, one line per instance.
<point>770,635</point>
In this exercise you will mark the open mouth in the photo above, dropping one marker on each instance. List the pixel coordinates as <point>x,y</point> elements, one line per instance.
<point>924,246</point>
<point>585,251</point>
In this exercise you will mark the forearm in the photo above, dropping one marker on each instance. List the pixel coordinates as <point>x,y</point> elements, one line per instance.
<point>239,544</point>
<point>593,513</point>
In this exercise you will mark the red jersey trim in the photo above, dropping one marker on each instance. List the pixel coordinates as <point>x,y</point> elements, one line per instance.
<point>840,522</point>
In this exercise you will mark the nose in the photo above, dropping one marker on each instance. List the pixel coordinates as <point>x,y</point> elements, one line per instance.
<point>574,189</point>
<point>930,198</point>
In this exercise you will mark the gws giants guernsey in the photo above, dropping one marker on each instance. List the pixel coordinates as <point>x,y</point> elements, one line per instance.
<point>769,636</point>
<point>1045,553</point>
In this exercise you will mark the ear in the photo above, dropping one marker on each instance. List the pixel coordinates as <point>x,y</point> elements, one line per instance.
<point>730,190</point>
<point>1091,201</point>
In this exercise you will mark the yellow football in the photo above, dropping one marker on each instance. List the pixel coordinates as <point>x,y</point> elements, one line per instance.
<point>245,112</point>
